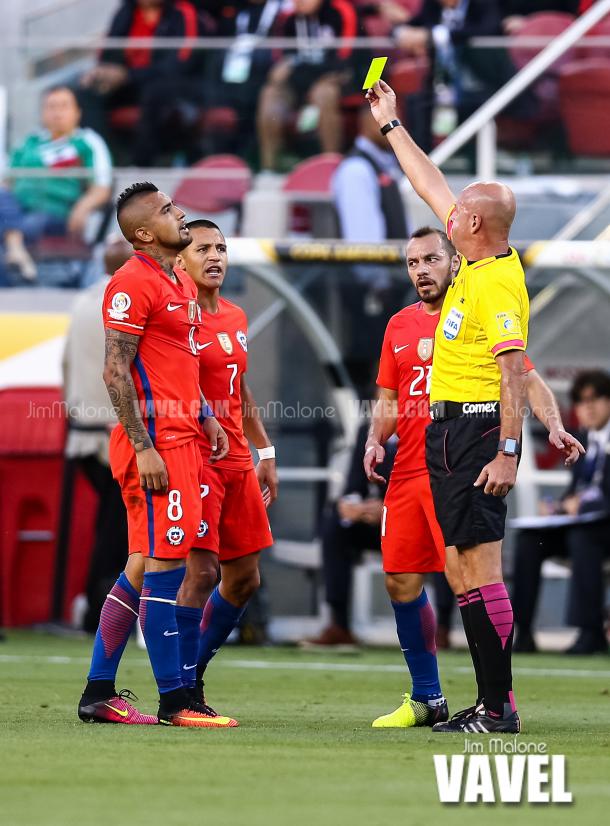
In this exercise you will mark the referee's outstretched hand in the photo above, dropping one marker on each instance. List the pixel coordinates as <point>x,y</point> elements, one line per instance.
<point>499,476</point>
<point>383,102</point>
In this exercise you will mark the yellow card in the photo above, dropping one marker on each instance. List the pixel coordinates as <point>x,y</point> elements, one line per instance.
<point>374,72</point>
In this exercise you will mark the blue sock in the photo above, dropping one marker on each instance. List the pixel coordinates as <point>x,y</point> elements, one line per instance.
<point>219,619</point>
<point>159,626</point>
<point>416,628</point>
<point>189,620</point>
<point>117,618</point>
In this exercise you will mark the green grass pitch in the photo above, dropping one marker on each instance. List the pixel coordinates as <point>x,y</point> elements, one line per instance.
<point>304,754</point>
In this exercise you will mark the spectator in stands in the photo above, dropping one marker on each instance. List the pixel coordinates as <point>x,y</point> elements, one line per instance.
<point>369,209</point>
<point>34,207</point>
<point>514,12</point>
<point>586,541</point>
<point>312,78</point>
<point>365,187</point>
<point>237,75</point>
<point>165,84</point>
<point>90,421</point>
<point>353,525</point>
<point>442,30</point>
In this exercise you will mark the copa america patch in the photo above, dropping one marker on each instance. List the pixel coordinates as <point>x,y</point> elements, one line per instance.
<point>121,302</point>
<point>175,535</point>
<point>508,323</point>
<point>242,339</point>
<point>203,529</point>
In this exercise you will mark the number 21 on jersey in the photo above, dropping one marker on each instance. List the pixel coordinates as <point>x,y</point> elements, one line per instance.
<point>422,374</point>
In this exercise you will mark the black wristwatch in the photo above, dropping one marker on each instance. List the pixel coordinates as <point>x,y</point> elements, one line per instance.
<point>509,447</point>
<point>389,126</point>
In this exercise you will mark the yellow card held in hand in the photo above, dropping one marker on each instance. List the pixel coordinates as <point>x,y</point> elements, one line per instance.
<point>374,73</point>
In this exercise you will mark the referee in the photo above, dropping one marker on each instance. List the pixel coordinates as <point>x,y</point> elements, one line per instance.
<point>477,397</point>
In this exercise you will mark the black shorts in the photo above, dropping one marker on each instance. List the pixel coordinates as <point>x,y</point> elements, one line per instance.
<point>456,452</point>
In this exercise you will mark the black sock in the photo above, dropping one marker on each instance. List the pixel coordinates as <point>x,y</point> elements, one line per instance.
<point>491,620</point>
<point>97,690</point>
<point>472,646</point>
<point>172,701</point>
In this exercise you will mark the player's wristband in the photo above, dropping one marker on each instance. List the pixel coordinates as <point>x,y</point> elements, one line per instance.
<point>266,452</point>
<point>206,412</point>
<point>389,126</point>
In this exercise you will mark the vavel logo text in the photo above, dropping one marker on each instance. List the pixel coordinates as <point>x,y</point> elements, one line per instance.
<point>505,775</point>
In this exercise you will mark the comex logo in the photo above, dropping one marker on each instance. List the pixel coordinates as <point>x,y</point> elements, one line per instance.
<point>513,772</point>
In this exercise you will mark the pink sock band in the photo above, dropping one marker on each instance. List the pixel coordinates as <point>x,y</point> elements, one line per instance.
<point>499,609</point>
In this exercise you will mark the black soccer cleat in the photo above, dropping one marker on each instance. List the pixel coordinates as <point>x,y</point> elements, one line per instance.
<point>479,721</point>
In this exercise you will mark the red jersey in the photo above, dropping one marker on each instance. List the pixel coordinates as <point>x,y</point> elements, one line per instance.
<point>142,300</point>
<point>406,366</point>
<point>223,359</point>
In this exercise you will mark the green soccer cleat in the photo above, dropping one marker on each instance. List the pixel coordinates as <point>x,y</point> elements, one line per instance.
<point>413,713</point>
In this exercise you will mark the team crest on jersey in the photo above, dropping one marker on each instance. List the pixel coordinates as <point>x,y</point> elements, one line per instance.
<point>425,346</point>
<point>225,342</point>
<point>121,302</point>
<point>452,324</point>
<point>192,310</point>
<point>175,535</point>
<point>243,340</point>
<point>203,529</point>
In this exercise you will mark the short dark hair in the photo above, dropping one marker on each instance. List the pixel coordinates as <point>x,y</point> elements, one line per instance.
<point>203,223</point>
<point>140,188</point>
<point>599,380</point>
<point>60,87</point>
<point>423,232</point>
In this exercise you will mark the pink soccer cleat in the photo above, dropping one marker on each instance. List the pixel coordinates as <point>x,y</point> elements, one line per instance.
<point>115,710</point>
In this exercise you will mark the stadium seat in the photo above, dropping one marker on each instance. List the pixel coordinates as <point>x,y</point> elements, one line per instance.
<point>601,29</point>
<point>584,89</point>
<point>543,24</point>
<point>124,118</point>
<point>31,468</point>
<point>221,193</point>
<point>308,190</point>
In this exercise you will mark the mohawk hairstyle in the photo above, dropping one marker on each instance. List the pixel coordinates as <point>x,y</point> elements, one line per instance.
<point>423,232</point>
<point>140,188</point>
<point>203,223</point>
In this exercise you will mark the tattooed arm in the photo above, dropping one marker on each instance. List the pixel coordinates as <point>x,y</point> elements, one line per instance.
<point>121,349</point>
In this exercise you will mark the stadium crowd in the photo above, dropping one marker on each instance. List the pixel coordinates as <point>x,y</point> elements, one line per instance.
<point>159,106</point>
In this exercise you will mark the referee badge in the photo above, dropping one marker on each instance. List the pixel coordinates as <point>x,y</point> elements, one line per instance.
<point>225,342</point>
<point>192,310</point>
<point>425,347</point>
<point>452,324</point>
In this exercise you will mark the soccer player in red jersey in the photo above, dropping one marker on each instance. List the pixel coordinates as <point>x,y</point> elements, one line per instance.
<point>151,370</point>
<point>411,539</point>
<point>234,524</point>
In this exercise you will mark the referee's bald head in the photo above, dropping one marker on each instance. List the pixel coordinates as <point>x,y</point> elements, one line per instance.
<point>484,215</point>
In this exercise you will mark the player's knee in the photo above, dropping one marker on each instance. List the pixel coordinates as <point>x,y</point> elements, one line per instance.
<point>403,588</point>
<point>198,583</point>
<point>243,586</point>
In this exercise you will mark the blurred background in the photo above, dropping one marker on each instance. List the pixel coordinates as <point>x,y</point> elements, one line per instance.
<point>250,113</point>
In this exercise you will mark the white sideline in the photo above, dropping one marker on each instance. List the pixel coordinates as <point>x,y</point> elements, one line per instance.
<point>271,665</point>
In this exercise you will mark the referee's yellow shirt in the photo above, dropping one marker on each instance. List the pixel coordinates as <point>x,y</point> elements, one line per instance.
<point>485,313</point>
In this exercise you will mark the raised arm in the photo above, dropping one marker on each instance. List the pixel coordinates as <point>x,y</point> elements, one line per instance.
<point>383,425</point>
<point>545,408</point>
<point>255,433</point>
<point>121,349</point>
<point>426,178</point>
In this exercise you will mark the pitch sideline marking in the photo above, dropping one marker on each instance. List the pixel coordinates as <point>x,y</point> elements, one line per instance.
<point>315,666</point>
